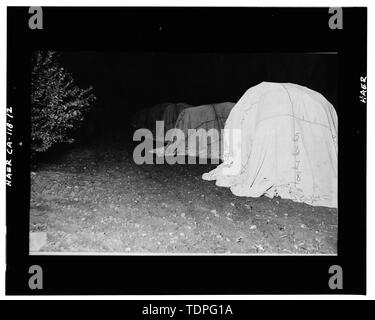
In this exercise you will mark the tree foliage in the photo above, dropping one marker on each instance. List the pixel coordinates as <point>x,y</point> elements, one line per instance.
<point>58,105</point>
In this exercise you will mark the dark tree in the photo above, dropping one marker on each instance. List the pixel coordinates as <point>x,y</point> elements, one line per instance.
<point>58,105</point>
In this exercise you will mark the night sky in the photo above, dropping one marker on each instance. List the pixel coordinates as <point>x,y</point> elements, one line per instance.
<point>124,82</point>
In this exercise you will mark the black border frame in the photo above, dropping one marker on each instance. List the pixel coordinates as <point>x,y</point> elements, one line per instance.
<point>192,30</point>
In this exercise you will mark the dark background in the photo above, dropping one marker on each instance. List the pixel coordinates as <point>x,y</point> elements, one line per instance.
<point>125,82</point>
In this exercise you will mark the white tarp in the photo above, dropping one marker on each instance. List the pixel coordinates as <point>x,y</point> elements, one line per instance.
<point>145,118</point>
<point>200,120</point>
<point>167,112</point>
<point>288,146</point>
<point>170,116</point>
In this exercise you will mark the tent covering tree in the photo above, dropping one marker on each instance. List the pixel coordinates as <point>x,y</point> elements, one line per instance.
<point>167,112</point>
<point>205,140</point>
<point>145,118</point>
<point>170,116</point>
<point>288,146</point>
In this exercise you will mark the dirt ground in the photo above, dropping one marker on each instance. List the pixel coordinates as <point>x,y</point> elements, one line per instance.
<point>96,199</point>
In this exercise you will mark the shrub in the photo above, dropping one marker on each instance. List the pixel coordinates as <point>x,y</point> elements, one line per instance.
<point>58,105</point>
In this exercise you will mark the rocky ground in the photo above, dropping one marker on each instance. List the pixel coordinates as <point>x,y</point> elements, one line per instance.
<point>96,199</point>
